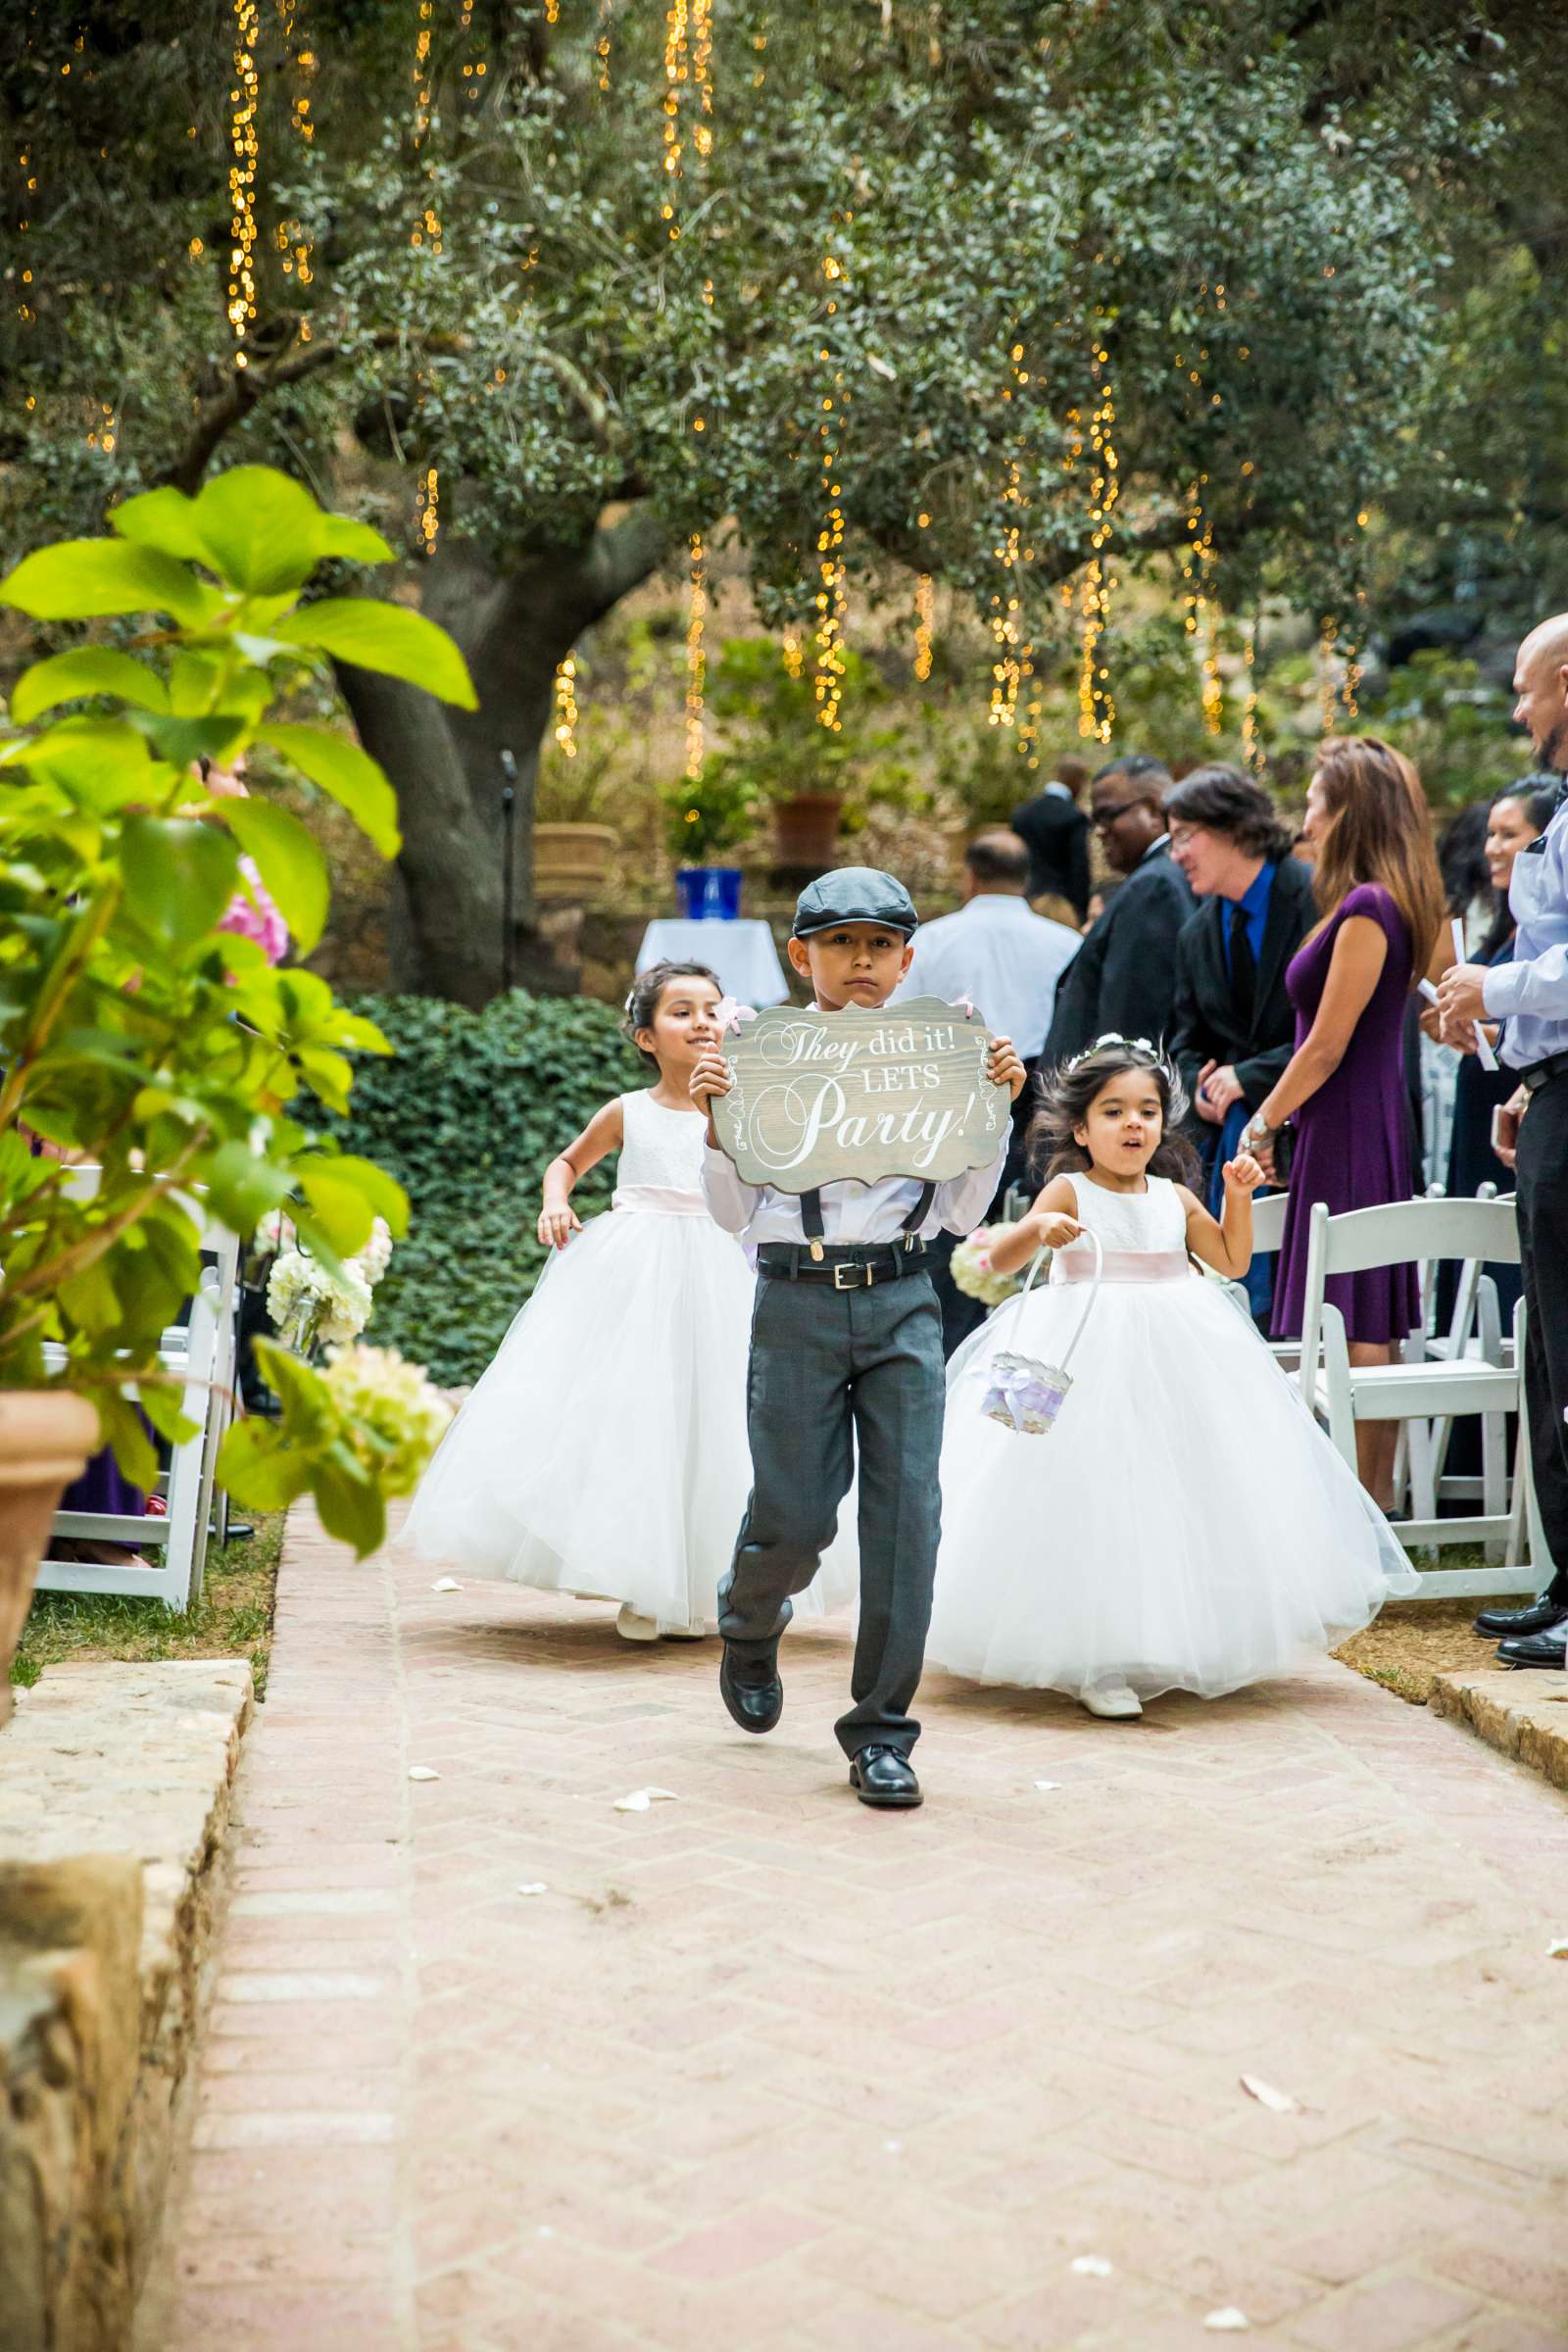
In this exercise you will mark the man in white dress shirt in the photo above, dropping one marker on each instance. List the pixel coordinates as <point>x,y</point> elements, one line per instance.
<point>1007,960</point>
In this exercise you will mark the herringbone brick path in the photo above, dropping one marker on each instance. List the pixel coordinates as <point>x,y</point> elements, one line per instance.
<point>763,2069</point>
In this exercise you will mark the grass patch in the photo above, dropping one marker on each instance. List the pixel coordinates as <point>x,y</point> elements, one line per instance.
<point>1413,1642</point>
<point>233,1620</point>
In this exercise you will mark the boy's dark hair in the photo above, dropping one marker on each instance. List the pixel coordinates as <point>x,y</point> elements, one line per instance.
<point>1223,799</point>
<point>1066,1092</point>
<point>642,1001</point>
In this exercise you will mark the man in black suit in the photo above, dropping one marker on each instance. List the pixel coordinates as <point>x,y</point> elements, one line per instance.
<point>1056,832</point>
<point>1122,979</point>
<point>1234,1029</point>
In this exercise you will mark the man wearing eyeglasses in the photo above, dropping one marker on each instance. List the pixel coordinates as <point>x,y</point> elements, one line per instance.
<point>1123,979</point>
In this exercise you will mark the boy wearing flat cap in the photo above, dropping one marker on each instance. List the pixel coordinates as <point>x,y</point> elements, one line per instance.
<point>846,1336</point>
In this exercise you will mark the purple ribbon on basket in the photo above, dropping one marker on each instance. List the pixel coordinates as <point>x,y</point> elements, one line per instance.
<point>1023,1395</point>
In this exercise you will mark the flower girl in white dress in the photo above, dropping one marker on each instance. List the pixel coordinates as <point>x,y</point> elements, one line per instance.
<point>604,1451</point>
<point>1184,1523</point>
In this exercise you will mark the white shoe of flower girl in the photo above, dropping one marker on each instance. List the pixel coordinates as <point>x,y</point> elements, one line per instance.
<point>1119,1702</point>
<point>633,1627</point>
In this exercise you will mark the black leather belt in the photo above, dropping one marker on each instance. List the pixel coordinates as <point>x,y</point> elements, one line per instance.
<point>845,1269</point>
<point>1542,1073</point>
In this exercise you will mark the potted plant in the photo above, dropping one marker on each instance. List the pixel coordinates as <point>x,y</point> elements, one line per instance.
<point>778,749</point>
<point>704,815</point>
<point>139,1035</point>
<point>572,844</point>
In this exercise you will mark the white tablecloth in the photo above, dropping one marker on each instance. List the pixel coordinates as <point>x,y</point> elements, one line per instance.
<point>742,953</point>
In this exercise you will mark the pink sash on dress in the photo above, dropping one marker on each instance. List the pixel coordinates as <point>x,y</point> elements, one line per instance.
<point>659,1200</point>
<point>1125,1265</point>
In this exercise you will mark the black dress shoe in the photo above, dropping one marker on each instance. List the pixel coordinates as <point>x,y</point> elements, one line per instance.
<point>1511,1625</point>
<point>880,1776</point>
<point>751,1687</point>
<point>1536,1650</point>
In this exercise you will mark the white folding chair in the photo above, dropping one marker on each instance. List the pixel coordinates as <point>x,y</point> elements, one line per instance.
<point>1268,1235</point>
<point>1433,1389</point>
<point>203,1352</point>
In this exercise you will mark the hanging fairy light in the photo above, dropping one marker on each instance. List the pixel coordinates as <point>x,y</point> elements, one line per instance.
<point>428,509</point>
<point>793,653</point>
<point>1327,685</point>
<point>925,619</point>
<point>566,701</point>
<point>243,148</point>
<point>1251,744</point>
<point>1097,709</point>
<point>695,659</point>
<point>293,243</point>
<point>29,188</point>
<point>421,74</point>
<point>601,43</point>
<point>702,19</point>
<point>1213,684</point>
<point>831,598</point>
<point>678,69</point>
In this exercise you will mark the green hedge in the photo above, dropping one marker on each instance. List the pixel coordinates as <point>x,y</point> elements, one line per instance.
<point>468,1113</point>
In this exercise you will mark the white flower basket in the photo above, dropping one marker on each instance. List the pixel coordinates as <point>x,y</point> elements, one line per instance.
<point>1025,1395</point>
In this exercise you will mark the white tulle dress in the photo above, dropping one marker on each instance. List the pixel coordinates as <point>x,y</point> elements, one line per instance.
<point>604,1450</point>
<point>1184,1525</point>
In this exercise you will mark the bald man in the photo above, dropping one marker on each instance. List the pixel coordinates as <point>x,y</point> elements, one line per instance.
<point>1530,995</point>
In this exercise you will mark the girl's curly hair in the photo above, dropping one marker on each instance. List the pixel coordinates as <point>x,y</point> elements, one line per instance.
<point>1068,1090</point>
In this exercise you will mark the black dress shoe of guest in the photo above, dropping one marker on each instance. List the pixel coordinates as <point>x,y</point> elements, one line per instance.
<point>751,1687</point>
<point>1511,1625</point>
<point>880,1776</point>
<point>1536,1650</point>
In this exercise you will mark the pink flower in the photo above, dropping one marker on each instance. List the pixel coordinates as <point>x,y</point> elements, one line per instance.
<point>252,914</point>
<point>730,1015</point>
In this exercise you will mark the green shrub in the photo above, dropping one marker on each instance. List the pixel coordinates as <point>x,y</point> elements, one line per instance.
<point>468,1113</point>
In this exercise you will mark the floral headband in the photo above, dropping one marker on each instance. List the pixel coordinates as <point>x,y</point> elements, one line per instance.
<point>1136,1045</point>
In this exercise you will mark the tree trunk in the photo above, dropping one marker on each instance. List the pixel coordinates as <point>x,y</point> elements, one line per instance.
<point>446,766</point>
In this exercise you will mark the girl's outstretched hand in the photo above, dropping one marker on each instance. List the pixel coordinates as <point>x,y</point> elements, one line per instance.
<point>711,1076</point>
<point>1243,1174</point>
<point>1004,1068</point>
<point>1054,1229</point>
<point>557,1225</point>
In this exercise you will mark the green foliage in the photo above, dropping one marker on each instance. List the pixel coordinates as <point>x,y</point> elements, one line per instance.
<point>715,810</point>
<point>135,1033</point>
<point>775,744</point>
<point>1442,714</point>
<point>467,1112</point>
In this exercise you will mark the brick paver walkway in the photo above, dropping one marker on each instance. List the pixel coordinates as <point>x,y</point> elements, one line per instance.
<point>763,2070</point>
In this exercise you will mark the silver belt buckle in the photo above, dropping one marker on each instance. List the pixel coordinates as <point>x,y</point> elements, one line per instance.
<point>853,1273</point>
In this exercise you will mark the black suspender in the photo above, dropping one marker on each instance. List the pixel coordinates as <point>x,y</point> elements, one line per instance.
<point>811,1217</point>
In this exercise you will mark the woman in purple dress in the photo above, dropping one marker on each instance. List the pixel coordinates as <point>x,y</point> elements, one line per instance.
<point>1379,900</point>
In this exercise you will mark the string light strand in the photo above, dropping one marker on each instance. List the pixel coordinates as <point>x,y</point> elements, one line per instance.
<point>243,148</point>
<point>696,659</point>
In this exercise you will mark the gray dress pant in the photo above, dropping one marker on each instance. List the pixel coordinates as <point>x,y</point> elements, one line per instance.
<point>824,1361</point>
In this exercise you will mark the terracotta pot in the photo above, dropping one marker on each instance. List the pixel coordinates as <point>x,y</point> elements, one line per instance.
<point>45,1437</point>
<point>806,829</point>
<point>571,861</point>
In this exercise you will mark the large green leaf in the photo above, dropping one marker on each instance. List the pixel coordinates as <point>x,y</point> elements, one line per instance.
<point>180,874</point>
<point>376,635</point>
<point>257,1466</point>
<point>242,1186</point>
<point>354,542</point>
<point>100,762</point>
<point>351,776</point>
<point>87,669</point>
<point>185,741</point>
<point>164,519</point>
<point>79,579</point>
<point>350,1503</point>
<point>262,532</point>
<point>291,862</point>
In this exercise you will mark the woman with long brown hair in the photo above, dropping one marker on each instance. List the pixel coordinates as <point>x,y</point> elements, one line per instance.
<point>1380,905</point>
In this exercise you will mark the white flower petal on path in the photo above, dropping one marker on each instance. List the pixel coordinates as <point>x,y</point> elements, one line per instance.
<point>423,1772</point>
<point>1227,2321</point>
<point>1048,1783</point>
<point>534,1886</point>
<point>1278,2102</point>
<point>446,1584</point>
<point>1091,2266</point>
<point>641,1799</point>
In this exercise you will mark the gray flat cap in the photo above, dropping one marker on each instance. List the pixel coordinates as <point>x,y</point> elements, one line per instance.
<point>853,894</point>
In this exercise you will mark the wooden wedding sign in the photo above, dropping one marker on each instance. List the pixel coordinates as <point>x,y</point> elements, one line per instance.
<point>819,1096</point>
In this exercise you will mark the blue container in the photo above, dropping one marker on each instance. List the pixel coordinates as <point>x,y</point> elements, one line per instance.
<point>708,893</point>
